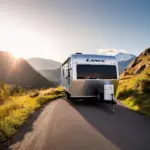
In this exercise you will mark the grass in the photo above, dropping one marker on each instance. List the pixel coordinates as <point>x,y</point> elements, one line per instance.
<point>10,90</point>
<point>16,109</point>
<point>134,91</point>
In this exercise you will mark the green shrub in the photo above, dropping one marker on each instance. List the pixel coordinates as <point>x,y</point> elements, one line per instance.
<point>4,92</point>
<point>10,90</point>
<point>17,90</point>
<point>143,86</point>
<point>125,93</point>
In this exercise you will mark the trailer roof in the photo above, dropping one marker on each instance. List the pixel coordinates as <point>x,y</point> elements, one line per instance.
<point>94,55</point>
<point>90,55</point>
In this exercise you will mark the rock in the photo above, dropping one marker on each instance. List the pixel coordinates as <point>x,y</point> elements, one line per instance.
<point>133,65</point>
<point>148,74</point>
<point>140,69</point>
<point>123,74</point>
<point>148,65</point>
<point>135,62</point>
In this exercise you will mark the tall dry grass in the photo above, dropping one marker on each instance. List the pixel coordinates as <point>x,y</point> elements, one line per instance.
<point>16,109</point>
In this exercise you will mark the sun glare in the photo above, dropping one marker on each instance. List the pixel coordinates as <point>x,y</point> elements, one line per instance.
<point>16,55</point>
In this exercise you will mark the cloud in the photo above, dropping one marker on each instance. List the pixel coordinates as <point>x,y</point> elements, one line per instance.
<point>110,51</point>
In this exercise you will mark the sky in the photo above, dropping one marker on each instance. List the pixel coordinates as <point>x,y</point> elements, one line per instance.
<point>54,29</point>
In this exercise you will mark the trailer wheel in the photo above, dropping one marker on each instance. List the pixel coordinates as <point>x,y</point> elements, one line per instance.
<point>67,95</point>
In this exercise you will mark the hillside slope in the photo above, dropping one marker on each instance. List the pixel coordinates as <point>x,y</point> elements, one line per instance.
<point>52,75</point>
<point>18,71</point>
<point>134,85</point>
<point>40,63</point>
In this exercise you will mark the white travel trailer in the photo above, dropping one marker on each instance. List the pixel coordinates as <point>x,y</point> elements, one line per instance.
<point>90,76</point>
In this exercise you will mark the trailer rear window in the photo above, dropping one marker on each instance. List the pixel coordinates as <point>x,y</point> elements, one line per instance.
<point>96,72</point>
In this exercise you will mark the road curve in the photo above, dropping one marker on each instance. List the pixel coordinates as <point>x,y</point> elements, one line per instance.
<point>64,126</point>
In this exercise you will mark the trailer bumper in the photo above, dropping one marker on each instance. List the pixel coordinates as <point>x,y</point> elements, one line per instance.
<point>93,98</point>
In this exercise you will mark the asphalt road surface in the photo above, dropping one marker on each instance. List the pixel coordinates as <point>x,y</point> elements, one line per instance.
<point>64,126</point>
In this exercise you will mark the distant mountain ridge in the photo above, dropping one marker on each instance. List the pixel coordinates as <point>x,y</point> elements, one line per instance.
<point>48,68</point>
<point>18,71</point>
<point>124,60</point>
<point>52,75</point>
<point>41,63</point>
<point>124,56</point>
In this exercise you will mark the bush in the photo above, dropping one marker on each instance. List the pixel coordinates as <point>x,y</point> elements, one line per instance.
<point>17,90</point>
<point>125,93</point>
<point>143,86</point>
<point>53,91</point>
<point>34,94</point>
<point>4,92</point>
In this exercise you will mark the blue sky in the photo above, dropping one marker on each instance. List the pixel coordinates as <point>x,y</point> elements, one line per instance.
<point>57,28</point>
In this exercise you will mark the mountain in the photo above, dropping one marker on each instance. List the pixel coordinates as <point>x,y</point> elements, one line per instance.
<point>40,63</point>
<point>134,84</point>
<point>18,71</point>
<point>124,57</point>
<point>124,60</point>
<point>48,68</point>
<point>123,64</point>
<point>52,75</point>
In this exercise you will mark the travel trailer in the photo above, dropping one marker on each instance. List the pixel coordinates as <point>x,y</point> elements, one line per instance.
<point>90,76</point>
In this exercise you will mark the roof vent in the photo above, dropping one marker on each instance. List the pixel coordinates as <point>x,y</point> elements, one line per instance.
<point>78,53</point>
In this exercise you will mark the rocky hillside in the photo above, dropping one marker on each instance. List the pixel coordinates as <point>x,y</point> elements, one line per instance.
<point>18,71</point>
<point>134,86</point>
<point>141,63</point>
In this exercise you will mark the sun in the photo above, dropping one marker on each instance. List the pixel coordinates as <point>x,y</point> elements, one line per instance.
<point>16,55</point>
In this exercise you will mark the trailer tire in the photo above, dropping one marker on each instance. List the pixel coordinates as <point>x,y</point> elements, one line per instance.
<point>67,95</point>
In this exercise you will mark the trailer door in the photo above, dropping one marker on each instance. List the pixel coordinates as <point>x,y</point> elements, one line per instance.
<point>68,76</point>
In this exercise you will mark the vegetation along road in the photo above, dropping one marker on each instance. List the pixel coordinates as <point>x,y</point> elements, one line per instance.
<point>65,126</point>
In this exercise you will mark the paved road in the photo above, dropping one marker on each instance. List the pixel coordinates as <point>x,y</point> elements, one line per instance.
<point>64,126</point>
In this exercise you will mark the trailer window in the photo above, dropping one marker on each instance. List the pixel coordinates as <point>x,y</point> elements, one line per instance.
<point>96,72</point>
